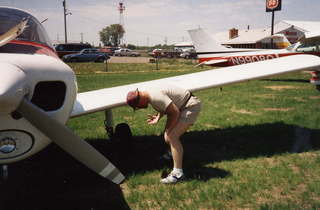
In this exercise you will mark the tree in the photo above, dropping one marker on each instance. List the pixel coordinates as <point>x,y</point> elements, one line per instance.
<point>111,35</point>
<point>131,47</point>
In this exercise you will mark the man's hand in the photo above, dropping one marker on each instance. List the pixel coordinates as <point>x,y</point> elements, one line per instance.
<point>153,119</point>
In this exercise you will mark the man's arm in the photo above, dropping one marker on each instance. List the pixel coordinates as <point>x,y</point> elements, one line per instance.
<point>172,113</point>
<point>153,119</point>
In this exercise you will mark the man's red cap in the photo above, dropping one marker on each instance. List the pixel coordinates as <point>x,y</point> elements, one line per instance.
<point>133,98</point>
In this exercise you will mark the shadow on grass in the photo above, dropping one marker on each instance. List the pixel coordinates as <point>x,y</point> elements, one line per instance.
<point>287,80</point>
<point>53,180</point>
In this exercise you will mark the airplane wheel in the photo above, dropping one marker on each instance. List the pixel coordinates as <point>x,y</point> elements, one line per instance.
<point>123,132</point>
<point>123,139</point>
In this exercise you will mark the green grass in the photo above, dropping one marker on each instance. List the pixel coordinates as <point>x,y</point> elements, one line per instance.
<point>237,155</point>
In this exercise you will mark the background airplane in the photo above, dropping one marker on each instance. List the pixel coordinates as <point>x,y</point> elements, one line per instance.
<point>38,92</point>
<point>212,53</point>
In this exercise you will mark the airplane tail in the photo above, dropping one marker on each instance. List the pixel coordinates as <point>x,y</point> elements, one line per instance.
<point>203,42</point>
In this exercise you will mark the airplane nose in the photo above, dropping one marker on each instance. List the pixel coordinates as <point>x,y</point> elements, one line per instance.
<point>12,87</point>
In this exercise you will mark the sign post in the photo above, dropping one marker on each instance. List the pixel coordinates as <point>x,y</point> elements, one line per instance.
<point>271,6</point>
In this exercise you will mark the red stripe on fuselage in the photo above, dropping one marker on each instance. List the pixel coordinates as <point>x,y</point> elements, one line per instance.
<point>41,48</point>
<point>237,60</point>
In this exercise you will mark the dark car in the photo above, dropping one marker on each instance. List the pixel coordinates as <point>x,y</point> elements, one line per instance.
<point>86,55</point>
<point>70,48</point>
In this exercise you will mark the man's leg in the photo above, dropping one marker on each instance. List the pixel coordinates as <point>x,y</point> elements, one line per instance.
<point>173,138</point>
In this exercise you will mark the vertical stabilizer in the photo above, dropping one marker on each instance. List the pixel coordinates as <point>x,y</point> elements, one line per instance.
<point>203,42</point>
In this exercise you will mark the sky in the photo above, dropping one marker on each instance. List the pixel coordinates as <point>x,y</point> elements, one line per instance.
<point>151,22</point>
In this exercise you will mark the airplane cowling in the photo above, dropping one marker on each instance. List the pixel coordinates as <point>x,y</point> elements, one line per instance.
<point>49,84</point>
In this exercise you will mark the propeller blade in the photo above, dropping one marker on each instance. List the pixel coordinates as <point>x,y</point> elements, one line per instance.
<point>68,141</point>
<point>14,32</point>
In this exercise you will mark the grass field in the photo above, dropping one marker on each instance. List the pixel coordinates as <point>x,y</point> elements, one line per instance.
<point>237,156</point>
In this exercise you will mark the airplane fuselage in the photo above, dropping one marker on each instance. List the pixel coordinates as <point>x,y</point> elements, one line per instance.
<point>232,59</point>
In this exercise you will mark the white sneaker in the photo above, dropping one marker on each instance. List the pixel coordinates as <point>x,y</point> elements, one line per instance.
<point>172,178</point>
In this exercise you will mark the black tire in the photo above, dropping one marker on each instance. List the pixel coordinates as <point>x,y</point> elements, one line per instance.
<point>123,132</point>
<point>123,141</point>
<point>73,60</point>
<point>100,59</point>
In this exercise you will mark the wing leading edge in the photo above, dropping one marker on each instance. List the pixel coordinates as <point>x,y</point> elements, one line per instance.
<point>108,98</point>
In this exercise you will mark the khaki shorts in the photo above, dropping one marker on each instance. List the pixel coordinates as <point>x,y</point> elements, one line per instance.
<point>190,112</point>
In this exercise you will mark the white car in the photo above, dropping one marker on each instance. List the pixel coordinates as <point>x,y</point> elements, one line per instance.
<point>126,52</point>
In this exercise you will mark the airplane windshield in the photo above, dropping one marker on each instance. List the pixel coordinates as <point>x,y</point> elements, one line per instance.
<point>34,31</point>
<point>292,47</point>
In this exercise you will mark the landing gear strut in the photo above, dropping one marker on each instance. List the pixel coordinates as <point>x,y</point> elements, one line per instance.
<point>122,131</point>
<point>120,138</point>
<point>4,172</point>
<point>108,123</point>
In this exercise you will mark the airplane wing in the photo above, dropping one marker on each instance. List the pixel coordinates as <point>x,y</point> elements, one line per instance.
<point>108,98</point>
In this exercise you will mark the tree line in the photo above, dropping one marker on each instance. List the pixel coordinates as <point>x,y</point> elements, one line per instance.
<point>111,36</point>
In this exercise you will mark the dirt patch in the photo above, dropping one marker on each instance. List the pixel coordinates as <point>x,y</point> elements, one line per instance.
<point>116,59</point>
<point>281,87</point>
<point>314,97</point>
<point>299,99</point>
<point>241,111</point>
<point>278,109</point>
<point>209,125</point>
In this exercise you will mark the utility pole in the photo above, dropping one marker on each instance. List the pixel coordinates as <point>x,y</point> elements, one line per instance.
<point>121,9</point>
<point>272,6</point>
<point>81,34</point>
<point>272,28</point>
<point>65,13</point>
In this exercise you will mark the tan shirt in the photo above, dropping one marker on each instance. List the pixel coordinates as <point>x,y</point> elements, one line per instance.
<point>161,97</point>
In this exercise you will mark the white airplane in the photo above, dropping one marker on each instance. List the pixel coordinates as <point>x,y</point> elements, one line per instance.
<point>38,92</point>
<point>211,53</point>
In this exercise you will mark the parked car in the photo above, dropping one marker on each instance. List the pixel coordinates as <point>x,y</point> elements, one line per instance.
<point>189,54</point>
<point>155,53</point>
<point>86,55</point>
<point>109,50</point>
<point>165,53</point>
<point>70,48</point>
<point>126,52</point>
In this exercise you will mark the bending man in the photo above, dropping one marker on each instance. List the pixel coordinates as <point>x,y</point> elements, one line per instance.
<point>181,109</point>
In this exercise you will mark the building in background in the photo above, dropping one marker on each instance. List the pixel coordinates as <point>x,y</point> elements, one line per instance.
<point>285,33</point>
<point>183,46</point>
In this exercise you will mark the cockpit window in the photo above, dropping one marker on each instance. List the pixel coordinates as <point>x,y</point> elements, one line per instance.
<point>292,47</point>
<point>34,31</point>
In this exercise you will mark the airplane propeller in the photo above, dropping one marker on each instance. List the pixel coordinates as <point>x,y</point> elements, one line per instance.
<point>14,32</point>
<point>68,141</point>
<point>12,92</point>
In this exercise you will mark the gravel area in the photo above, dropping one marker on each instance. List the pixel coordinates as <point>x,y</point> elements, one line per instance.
<point>116,59</point>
